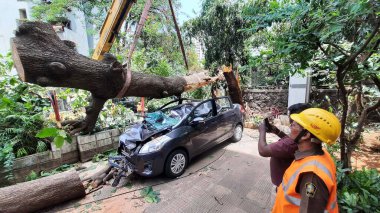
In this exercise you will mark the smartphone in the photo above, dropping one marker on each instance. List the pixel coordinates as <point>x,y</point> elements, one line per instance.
<point>267,125</point>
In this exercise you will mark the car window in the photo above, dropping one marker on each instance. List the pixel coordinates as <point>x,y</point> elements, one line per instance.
<point>204,110</point>
<point>179,111</point>
<point>223,104</point>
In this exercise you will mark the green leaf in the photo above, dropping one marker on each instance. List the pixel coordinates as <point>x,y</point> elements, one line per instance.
<point>47,132</point>
<point>62,133</point>
<point>144,192</point>
<point>273,5</point>
<point>149,199</point>
<point>58,141</point>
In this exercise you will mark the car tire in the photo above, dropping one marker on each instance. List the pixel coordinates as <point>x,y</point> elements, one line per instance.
<point>238,133</point>
<point>176,163</point>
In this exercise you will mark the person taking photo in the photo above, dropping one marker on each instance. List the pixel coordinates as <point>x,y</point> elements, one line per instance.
<point>281,153</point>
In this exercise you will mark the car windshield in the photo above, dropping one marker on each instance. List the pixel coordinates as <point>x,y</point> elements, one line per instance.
<point>168,116</point>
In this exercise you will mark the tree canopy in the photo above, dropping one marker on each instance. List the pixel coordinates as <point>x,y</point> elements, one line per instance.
<point>219,27</point>
<point>338,38</point>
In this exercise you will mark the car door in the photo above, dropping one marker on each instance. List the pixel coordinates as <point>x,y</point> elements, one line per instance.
<point>226,117</point>
<point>203,133</point>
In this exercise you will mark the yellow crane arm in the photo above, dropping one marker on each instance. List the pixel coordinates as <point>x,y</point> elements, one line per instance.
<point>111,26</point>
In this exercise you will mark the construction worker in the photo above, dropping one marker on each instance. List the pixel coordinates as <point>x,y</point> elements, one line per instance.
<point>282,151</point>
<point>309,184</point>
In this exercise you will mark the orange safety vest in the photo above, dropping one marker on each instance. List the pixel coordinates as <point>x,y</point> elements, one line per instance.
<point>288,200</point>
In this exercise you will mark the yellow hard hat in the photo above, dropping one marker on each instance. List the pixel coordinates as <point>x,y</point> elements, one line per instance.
<point>322,124</point>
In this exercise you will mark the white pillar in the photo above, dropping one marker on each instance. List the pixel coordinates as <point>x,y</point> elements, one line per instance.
<point>299,88</point>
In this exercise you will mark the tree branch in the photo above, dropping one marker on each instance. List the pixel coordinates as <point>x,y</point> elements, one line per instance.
<point>373,50</point>
<point>358,99</point>
<point>353,56</point>
<point>326,54</point>
<point>341,50</point>
<point>363,116</point>
<point>376,80</point>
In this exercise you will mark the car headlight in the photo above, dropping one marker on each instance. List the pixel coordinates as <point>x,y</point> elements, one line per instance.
<point>155,144</point>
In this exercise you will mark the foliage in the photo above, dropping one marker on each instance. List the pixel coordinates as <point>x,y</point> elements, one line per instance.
<point>59,136</point>
<point>114,116</point>
<point>150,195</point>
<point>219,28</point>
<point>52,11</point>
<point>155,104</point>
<point>200,93</point>
<point>57,170</point>
<point>33,175</point>
<point>358,191</point>
<point>76,98</point>
<point>256,119</point>
<point>104,156</point>
<point>338,39</point>
<point>21,108</point>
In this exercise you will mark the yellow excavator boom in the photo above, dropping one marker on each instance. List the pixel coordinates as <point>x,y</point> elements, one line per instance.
<point>111,26</point>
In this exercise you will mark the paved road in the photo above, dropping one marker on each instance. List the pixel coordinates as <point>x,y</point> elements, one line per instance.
<point>236,181</point>
<point>231,177</point>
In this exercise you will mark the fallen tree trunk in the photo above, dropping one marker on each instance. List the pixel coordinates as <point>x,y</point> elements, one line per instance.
<point>41,193</point>
<point>42,58</point>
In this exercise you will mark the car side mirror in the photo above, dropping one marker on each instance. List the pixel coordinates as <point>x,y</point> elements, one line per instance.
<point>197,121</point>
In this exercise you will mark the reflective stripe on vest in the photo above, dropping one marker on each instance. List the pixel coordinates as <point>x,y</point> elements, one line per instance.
<point>296,201</point>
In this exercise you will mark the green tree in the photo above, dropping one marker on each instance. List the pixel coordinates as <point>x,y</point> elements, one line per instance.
<point>339,37</point>
<point>219,28</point>
<point>21,109</point>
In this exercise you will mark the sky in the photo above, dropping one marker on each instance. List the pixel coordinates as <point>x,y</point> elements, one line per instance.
<point>187,9</point>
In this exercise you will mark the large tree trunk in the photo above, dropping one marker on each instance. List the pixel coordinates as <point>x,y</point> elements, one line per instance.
<point>41,193</point>
<point>42,58</point>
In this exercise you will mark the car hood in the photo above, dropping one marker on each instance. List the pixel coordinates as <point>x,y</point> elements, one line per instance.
<point>153,123</point>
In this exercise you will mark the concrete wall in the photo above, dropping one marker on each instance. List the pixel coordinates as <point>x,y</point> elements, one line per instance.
<point>82,148</point>
<point>265,100</point>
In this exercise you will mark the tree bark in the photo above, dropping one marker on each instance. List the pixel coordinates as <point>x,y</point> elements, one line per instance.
<point>233,86</point>
<point>42,58</point>
<point>41,193</point>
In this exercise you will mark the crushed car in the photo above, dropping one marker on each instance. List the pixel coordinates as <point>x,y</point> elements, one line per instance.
<point>167,139</point>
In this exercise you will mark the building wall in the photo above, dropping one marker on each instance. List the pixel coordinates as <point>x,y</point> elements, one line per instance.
<point>10,15</point>
<point>199,49</point>
<point>77,33</point>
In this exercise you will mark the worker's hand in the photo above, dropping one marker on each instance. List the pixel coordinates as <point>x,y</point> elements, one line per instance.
<point>262,127</point>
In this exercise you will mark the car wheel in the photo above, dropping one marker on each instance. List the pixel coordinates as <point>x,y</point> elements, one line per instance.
<point>176,163</point>
<point>238,133</point>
